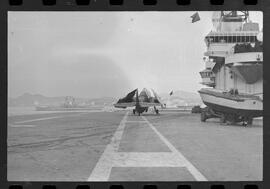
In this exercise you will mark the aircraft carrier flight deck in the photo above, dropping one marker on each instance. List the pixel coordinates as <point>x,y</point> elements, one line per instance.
<point>120,146</point>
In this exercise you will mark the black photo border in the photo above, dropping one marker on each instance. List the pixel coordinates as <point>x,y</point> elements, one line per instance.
<point>134,5</point>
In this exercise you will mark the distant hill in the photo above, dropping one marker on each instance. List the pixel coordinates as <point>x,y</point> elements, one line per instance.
<point>178,98</point>
<point>181,98</point>
<point>28,99</point>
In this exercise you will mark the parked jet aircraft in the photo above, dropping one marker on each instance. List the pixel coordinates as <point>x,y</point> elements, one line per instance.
<point>141,102</point>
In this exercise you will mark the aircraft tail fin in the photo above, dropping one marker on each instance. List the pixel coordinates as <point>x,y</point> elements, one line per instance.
<point>128,97</point>
<point>158,98</point>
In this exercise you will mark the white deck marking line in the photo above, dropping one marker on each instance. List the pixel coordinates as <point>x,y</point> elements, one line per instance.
<point>40,119</point>
<point>146,159</point>
<point>136,122</point>
<point>112,158</point>
<point>195,172</point>
<point>21,125</point>
<point>103,167</point>
<point>46,118</point>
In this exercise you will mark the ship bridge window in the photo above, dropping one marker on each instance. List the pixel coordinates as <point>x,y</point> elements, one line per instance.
<point>206,74</point>
<point>231,39</point>
<point>252,39</point>
<point>238,38</point>
<point>247,38</point>
<point>223,39</point>
<point>220,38</point>
<point>243,38</point>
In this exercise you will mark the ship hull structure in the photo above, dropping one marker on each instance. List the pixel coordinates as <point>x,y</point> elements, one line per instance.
<point>238,105</point>
<point>233,69</point>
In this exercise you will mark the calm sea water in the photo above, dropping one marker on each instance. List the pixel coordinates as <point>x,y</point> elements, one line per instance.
<point>12,111</point>
<point>24,111</point>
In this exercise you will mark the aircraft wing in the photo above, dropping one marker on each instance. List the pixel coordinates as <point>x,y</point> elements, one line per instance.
<point>158,98</point>
<point>149,104</point>
<point>124,104</point>
<point>127,101</point>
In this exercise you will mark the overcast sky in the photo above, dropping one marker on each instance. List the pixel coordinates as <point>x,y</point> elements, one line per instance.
<point>97,54</point>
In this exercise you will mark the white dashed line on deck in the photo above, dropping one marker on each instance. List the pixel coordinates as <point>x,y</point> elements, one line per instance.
<point>46,118</point>
<point>40,119</point>
<point>195,172</point>
<point>21,125</point>
<point>103,167</point>
<point>112,158</point>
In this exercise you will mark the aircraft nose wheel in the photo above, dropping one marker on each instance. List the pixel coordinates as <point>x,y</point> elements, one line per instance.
<point>157,112</point>
<point>134,112</point>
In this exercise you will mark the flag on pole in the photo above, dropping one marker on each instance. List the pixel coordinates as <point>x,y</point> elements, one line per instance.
<point>171,93</point>
<point>195,17</point>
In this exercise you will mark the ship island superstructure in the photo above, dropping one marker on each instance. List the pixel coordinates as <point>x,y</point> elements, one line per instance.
<point>233,70</point>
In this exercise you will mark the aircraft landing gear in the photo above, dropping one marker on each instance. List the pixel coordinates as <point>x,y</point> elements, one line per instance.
<point>247,121</point>
<point>156,110</point>
<point>134,111</point>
